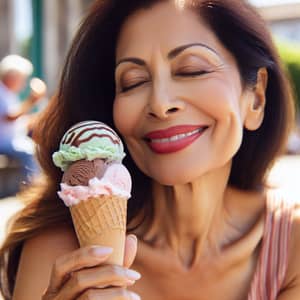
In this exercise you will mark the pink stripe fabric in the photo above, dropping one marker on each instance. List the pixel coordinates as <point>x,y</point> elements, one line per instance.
<point>273,259</point>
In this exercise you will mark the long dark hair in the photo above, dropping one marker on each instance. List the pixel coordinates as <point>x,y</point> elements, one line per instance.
<point>86,92</point>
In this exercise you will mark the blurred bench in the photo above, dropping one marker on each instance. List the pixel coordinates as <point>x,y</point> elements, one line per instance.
<point>10,176</point>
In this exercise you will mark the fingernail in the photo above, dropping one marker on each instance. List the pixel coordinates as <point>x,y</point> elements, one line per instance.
<point>135,296</point>
<point>130,282</point>
<point>133,275</point>
<point>132,237</point>
<point>102,251</point>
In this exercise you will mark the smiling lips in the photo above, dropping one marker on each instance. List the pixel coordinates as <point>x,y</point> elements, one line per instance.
<point>173,139</point>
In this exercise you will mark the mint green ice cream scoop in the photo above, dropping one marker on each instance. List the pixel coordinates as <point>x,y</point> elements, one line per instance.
<point>88,140</point>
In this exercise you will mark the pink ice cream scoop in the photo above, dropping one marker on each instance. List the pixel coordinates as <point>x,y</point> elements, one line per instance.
<point>116,181</point>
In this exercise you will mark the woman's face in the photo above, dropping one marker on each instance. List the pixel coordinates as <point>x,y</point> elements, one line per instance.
<point>179,103</point>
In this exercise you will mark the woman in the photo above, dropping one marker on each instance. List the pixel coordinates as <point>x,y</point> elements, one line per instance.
<point>196,90</point>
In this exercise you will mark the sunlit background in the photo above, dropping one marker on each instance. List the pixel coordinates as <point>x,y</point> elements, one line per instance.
<point>42,30</point>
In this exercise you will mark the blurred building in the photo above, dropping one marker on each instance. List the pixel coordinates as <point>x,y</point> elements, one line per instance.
<point>60,21</point>
<point>284,20</point>
<point>6,28</point>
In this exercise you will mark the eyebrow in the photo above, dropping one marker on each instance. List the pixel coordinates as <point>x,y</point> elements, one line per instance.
<point>172,54</point>
<point>134,60</point>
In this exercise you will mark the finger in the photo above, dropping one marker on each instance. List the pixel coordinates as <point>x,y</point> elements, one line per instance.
<point>98,277</point>
<point>130,250</point>
<point>71,262</point>
<point>109,294</point>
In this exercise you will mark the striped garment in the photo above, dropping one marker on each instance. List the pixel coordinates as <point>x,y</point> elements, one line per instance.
<point>273,259</point>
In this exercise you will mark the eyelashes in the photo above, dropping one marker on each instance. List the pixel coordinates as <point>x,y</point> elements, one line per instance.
<point>192,74</point>
<point>124,88</point>
<point>132,86</point>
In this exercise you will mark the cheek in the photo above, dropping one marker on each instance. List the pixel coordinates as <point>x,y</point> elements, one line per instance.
<point>216,98</point>
<point>221,101</point>
<point>126,114</point>
<point>225,109</point>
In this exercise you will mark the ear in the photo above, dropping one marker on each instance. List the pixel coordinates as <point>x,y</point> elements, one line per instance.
<point>256,108</point>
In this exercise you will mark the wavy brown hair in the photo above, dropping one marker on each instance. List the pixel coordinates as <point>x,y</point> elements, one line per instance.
<point>86,92</point>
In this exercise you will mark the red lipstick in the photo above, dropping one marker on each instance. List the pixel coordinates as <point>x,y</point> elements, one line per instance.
<point>173,139</point>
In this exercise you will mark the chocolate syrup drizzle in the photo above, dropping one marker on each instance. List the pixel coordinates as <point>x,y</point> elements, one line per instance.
<point>75,139</point>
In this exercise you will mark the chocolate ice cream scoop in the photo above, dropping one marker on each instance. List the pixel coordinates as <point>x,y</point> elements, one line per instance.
<point>81,171</point>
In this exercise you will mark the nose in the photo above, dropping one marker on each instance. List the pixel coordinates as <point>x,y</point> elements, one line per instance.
<point>163,103</point>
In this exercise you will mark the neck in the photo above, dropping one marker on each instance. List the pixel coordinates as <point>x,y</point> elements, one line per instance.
<point>192,218</point>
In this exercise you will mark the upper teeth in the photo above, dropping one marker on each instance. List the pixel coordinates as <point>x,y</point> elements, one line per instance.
<point>177,136</point>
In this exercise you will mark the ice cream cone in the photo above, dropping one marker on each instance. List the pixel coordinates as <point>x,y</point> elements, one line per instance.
<point>95,185</point>
<point>102,221</point>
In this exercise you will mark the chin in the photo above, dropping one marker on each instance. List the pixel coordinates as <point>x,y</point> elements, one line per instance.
<point>185,174</point>
<point>172,179</point>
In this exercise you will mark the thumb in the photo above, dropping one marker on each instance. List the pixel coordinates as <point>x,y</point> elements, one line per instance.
<point>130,250</point>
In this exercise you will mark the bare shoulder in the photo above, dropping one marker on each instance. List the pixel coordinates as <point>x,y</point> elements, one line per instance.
<point>38,256</point>
<point>292,279</point>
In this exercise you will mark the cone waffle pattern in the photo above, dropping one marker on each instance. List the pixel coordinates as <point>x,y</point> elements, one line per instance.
<point>98,215</point>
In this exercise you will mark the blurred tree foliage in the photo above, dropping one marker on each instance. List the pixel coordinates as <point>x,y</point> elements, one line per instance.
<point>26,46</point>
<point>290,54</point>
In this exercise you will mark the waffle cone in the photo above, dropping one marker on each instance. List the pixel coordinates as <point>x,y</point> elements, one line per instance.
<point>102,221</point>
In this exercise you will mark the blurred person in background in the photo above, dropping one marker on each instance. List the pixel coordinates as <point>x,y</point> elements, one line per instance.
<point>14,114</point>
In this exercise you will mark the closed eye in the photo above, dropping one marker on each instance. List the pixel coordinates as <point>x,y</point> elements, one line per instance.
<point>130,87</point>
<point>192,74</point>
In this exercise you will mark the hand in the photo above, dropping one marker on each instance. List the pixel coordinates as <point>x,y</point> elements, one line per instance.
<point>38,89</point>
<point>83,274</point>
